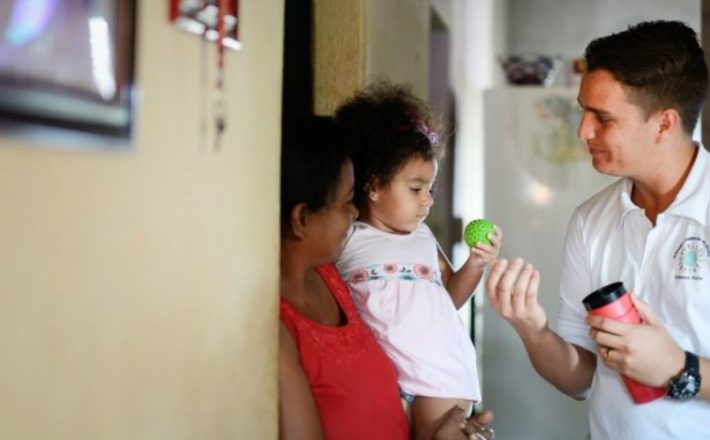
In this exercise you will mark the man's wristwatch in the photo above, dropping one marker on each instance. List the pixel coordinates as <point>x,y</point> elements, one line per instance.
<point>686,385</point>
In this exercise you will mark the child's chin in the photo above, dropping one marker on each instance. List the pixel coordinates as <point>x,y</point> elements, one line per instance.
<point>410,229</point>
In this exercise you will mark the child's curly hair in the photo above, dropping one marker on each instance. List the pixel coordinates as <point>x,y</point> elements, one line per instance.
<point>386,126</point>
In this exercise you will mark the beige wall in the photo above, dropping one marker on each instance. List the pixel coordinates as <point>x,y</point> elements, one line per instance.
<point>338,52</point>
<point>397,42</point>
<point>358,41</point>
<point>138,290</point>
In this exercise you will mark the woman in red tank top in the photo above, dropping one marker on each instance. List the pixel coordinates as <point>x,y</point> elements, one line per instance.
<point>335,382</point>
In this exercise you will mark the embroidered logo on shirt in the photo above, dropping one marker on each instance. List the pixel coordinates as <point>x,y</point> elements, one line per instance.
<point>690,257</point>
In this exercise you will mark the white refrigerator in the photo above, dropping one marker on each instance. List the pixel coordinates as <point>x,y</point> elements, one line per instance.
<point>536,173</point>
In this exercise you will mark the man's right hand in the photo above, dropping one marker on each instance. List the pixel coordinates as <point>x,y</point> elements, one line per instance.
<point>512,293</point>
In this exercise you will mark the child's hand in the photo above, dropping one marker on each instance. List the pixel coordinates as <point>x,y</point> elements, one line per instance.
<point>482,254</point>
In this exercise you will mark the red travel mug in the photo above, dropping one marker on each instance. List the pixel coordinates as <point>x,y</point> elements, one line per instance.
<point>612,301</point>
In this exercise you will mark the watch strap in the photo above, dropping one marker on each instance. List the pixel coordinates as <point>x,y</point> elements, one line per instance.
<point>691,362</point>
<point>686,384</point>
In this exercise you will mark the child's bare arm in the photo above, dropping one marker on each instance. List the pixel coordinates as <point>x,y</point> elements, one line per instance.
<point>462,283</point>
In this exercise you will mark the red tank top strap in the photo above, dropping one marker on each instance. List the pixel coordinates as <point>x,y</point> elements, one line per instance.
<point>330,275</point>
<point>335,283</point>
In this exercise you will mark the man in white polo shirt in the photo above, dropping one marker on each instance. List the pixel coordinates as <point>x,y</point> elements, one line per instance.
<point>640,97</point>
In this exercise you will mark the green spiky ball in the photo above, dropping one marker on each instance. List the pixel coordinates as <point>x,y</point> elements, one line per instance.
<point>477,231</point>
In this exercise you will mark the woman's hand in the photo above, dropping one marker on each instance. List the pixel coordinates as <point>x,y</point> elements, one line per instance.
<point>457,427</point>
<point>476,427</point>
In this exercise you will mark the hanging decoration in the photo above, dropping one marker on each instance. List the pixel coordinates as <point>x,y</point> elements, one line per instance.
<point>217,21</point>
<point>202,17</point>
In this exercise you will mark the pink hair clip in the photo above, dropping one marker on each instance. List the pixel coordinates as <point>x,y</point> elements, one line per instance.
<point>429,133</point>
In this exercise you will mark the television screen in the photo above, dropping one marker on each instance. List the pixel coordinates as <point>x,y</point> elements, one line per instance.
<point>67,63</point>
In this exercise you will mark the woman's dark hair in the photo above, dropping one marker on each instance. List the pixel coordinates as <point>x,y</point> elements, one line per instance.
<point>660,62</point>
<point>386,125</point>
<point>312,156</point>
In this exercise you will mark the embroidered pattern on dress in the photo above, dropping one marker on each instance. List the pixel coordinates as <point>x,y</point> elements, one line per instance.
<point>393,271</point>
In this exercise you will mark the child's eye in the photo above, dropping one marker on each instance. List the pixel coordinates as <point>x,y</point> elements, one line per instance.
<point>416,189</point>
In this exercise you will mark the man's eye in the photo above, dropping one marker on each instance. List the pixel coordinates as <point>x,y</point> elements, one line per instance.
<point>603,119</point>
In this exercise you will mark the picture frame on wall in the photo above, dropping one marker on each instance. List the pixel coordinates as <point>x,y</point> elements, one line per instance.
<point>68,64</point>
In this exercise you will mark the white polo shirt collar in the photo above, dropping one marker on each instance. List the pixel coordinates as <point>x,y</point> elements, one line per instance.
<point>691,201</point>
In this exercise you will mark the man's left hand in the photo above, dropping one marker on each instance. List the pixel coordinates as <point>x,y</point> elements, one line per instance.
<point>643,352</point>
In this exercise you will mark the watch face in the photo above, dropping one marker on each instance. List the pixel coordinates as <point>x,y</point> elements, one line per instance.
<point>685,387</point>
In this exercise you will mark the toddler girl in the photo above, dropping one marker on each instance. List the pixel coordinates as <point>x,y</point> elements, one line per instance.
<point>401,282</point>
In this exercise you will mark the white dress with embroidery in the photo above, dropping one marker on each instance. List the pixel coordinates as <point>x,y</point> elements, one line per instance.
<point>396,285</point>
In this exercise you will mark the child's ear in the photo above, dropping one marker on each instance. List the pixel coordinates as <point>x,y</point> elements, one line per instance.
<point>299,220</point>
<point>373,189</point>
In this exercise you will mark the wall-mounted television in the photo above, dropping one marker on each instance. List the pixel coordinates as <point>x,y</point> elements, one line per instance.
<point>68,64</point>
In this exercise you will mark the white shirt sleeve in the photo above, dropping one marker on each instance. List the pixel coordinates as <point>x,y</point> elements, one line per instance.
<point>575,284</point>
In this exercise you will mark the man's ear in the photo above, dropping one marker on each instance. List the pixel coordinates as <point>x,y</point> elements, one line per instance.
<point>299,220</point>
<point>669,121</point>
